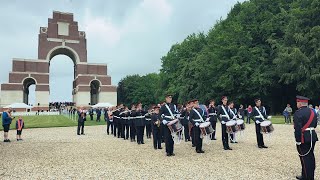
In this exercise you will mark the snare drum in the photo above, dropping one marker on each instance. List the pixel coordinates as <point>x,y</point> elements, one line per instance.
<point>206,128</point>
<point>266,127</point>
<point>175,126</point>
<point>240,124</point>
<point>232,126</point>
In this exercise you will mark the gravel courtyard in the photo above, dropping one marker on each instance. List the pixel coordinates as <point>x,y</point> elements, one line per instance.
<point>58,153</point>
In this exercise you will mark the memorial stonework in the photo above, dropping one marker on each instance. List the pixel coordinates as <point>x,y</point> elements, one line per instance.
<point>91,83</point>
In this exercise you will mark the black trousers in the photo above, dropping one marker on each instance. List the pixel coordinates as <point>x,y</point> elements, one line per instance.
<point>119,127</point>
<point>80,126</point>
<point>91,117</point>
<point>186,132</point>
<point>197,139</point>
<point>115,123</point>
<point>214,126</point>
<point>156,138</point>
<point>140,133</point>
<point>225,140</point>
<point>168,140</point>
<point>259,135</point>
<point>248,118</point>
<point>109,124</point>
<point>98,118</point>
<point>148,130</point>
<point>232,137</point>
<point>125,131</point>
<point>308,162</point>
<point>132,131</point>
<point>193,136</point>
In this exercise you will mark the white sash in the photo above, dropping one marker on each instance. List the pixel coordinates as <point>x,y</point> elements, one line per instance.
<point>169,111</point>
<point>198,114</point>
<point>259,113</point>
<point>225,112</point>
<point>234,115</point>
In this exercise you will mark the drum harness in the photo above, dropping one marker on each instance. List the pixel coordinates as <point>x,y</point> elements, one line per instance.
<point>234,134</point>
<point>260,116</point>
<point>176,138</point>
<point>207,138</point>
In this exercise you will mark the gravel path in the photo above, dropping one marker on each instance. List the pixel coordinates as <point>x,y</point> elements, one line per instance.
<point>57,153</point>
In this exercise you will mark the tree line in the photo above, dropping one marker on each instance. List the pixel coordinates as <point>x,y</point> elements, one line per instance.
<point>266,49</point>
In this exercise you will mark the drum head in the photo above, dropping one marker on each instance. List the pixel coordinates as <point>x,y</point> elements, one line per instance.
<point>231,123</point>
<point>265,123</point>
<point>205,124</point>
<point>172,122</point>
<point>240,121</point>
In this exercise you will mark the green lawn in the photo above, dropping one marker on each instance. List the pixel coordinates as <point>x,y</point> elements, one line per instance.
<point>53,121</point>
<point>63,121</point>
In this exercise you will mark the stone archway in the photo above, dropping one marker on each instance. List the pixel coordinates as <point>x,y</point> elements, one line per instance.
<point>27,82</point>
<point>61,36</point>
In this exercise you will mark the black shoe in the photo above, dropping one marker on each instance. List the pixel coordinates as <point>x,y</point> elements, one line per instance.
<point>78,134</point>
<point>155,148</point>
<point>232,142</point>
<point>5,140</point>
<point>299,177</point>
<point>201,151</point>
<point>160,148</point>
<point>168,154</point>
<point>214,139</point>
<point>142,142</point>
<point>186,140</point>
<point>193,145</point>
<point>139,142</point>
<point>226,148</point>
<point>83,134</point>
<point>198,151</point>
<point>229,148</point>
<point>107,133</point>
<point>263,146</point>
<point>172,154</point>
<point>260,147</point>
<point>18,139</point>
<point>8,140</point>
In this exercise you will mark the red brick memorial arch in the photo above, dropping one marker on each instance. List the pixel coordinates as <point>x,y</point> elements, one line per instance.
<point>91,83</point>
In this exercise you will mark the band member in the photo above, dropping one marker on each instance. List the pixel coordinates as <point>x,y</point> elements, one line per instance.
<point>81,119</point>
<point>213,118</point>
<point>117,121</point>
<point>91,114</point>
<point>148,123</point>
<point>139,122</point>
<point>6,121</point>
<point>98,111</point>
<point>132,116</point>
<point>197,117</point>
<point>305,122</point>
<point>184,117</point>
<point>166,111</point>
<point>259,113</point>
<point>125,125</point>
<point>155,123</point>
<point>233,116</point>
<point>115,114</point>
<point>224,115</point>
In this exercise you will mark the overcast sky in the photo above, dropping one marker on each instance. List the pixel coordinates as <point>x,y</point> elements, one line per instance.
<point>129,35</point>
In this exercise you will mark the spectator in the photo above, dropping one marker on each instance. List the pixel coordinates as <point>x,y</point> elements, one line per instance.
<point>289,111</point>
<point>6,121</point>
<point>285,114</point>
<point>19,127</point>
<point>249,111</point>
<point>241,112</point>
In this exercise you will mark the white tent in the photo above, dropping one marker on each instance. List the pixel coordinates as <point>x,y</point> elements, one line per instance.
<point>102,105</point>
<point>18,105</point>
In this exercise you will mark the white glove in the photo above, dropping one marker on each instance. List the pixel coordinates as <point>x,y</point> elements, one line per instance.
<point>298,143</point>
<point>269,117</point>
<point>165,122</point>
<point>222,122</point>
<point>258,122</point>
<point>197,124</point>
<point>207,119</point>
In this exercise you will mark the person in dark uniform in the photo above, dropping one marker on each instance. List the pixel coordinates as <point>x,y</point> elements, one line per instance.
<point>191,126</point>
<point>233,116</point>
<point>81,119</point>
<point>305,122</point>
<point>126,125</point>
<point>91,114</point>
<point>98,111</point>
<point>197,117</point>
<point>166,112</point>
<point>213,118</point>
<point>117,121</point>
<point>224,115</point>
<point>184,118</point>
<point>155,123</point>
<point>259,113</point>
<point>139,123</point>
<point>132,123</point>
<point>148,124</point>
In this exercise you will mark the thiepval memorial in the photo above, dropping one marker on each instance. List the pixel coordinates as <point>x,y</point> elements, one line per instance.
<point>91,82</point>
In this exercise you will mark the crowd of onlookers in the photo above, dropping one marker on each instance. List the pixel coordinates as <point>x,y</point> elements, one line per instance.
<point>287,113</point>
